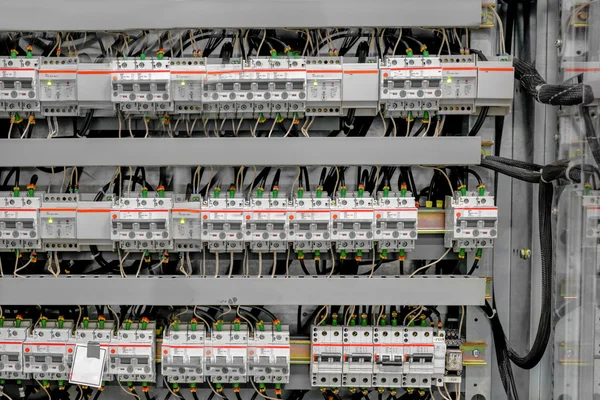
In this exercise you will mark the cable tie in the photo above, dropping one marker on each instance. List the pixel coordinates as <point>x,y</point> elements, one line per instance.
<point>94,256</point>
<point>542,176</point>
<point>568,170</point>
<point>493,314</point>
<point>351,126</point>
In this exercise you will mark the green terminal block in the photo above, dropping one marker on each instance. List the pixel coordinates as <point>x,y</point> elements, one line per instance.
<point>144,192</point>
<point>300,193</point>
<point>409,52</point>
<point>361,190</point>
<point>193,325</point>
<point>353,320</point>
<point>462,253</point>
<point>142,56</point>
<point>16,192</point>
<point>219,325</point>
<point>2,321</point>
<point>359,254</point>
<point>588,189</point>
<point>394,322</point>
<point>463,190</point>
<point>192,384</point>
<point>261,326</point>
<point>403,190</point>
<point>277,324</point>
<point>61,322</point>
<point>175,386</point>
<point>300,255</point>
<point>231,192</point>
<point>18,321</point>
<point>161,192</point>
<point>343,191</point>
<point>386,191</point>
<point>319,192</point>
<point>259,193</point>
<point>401,254</point>
<point>61,383</point>
<point>216,192</point>
<point>176,326</point>
<point>363,319</point>
<point>101,323</point>
<point>13,54</point>
<point>127,325</point>
<point>29,54</point>
<point>343,254</point>
<point>236,325</point>
<point>160,56</point>
<point>481,189</point>
<point>479,253</point>
<point>45,383</point>
<point>86,323</point>
<point>317,255</point>
<point>275,192</point>
<point>384,254</point>
<point>30,192</point>
<point>424,323</point>
<point>334,321</point>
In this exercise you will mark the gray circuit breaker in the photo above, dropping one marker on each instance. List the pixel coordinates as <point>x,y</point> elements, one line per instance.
<point>223,223</point>
<point>352,223</point>
<point>19,89</point>
<point>49,350</point>
<point>226,358</point>
<point>396,222</point>
<point>357,366</point>
<point>19,223</point>
<point>310,223</point>
<point>183,359</point>
<point>132,354</point>
<point>269,354</point>
<point>471,222</point>
<point>12,360</point>
<point>326,356</point>
<point>266,225</point>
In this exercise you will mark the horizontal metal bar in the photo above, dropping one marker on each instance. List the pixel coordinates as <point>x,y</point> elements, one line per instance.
<point>86,15</point>
<point>241,151</point>
<point>297,290</point>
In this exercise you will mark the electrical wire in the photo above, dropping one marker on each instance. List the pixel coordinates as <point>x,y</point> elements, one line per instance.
<point>425,267</point>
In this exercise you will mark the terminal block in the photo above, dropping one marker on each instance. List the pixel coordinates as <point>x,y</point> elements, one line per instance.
<point>58,86</point>
<point>222,87</point>
<point>309,223</point>
<point>396,221</point>
<point>142,86</point>
<point>187,226</point>
<point>187,81</point>
<point>352,222</point>
<point>183,353</point>
<point>49,350</point>
<point>142,223</point>
<point>222,223</point>
<point>19,223</point>
<point>132,353</point>
<point>58,219</point>
<point>471,221</point>
<point>326,356</point>
<point>357,365</point>
<point>19,85</point>
<point>13,334</point>
<point>266,224</point>
<point>226,359</point>
<point>324,77</point>
<point>269,354</point>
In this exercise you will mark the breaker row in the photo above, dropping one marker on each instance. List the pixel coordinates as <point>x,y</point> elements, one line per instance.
<point>353,222</point>
<point>278,87</point>
<point>189,354</point>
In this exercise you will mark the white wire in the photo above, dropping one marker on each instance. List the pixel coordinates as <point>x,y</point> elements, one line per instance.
<point>501,27</point>
<point>332,262</point>
<point>146,126</point>
<point>262,395</point>
<point>130,181</point>
<point>397,42</point>
<point>394,125</point>
<point>1,276</point>
<point>201,319</point>
<point>290,128</point>
<point>442,394</point>
<point>261,42</point>
<point>51,179</point>
<point>244,318</point>
<point>462,319</point>
<point>319,313</point>
<point>216,264</point>
<point>10,129</point>
<point>374,254</point>
<point>427,130</point>
<point>347,316</point>
<point>45,390</point>
<point>274,264</point>
<point>287,263</point>
<point>383,122</point>
<point>230,274</point>
<point>127,391</point>
<point>259,264</point>
<point>213,389</point>
<point>431,264</point>
<point>116,317</point>
<point>272,127</point>
<point>24,134</point>
<point>2,394</point>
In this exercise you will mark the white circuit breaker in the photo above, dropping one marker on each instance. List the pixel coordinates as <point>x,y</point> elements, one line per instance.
<point>222,223</point>
<point>12,336</point>
<point>309,223</point>
<point>424,351</point>
<point>132,354</point>
<point>49,350</point>
<point>357,366</point>
<point>269,354</point>
<point>182,355</point>
<point>266,223</point>
<point>326,356</point>
<point>324,86</point>
<point>471,222</point>
<point>226,358</point>
<point>142,86</point>
<point>19,223</point>
<point>58,219</point>
<point>187,226</point>
<point>142,223</point>
<point>19,85</point>
<point>459,84</point>
<point>187,81</point>
<point>219,97</point>
<point>352,223</point>
<point>396,222</point>
<point>58,86</point>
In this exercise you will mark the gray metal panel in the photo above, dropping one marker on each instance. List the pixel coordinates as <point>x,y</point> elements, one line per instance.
<point>120,15</point>
<point>241,151</point>
<point>170,290</point>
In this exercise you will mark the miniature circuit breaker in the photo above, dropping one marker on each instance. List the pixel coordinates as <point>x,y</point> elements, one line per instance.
<point>19,223</point>
<point>49,350</point>
<point>222,223</point>
<point>132,354</point>
<point>182,355</point>
<point>591,214</point>
<point>326,356</point>
<point>471,221</point>
<point>396,222</point>
<point>12,336</point>
<point>269,354</point>
<point>187,226</point>
<point>352,223</point>
<point>222,88</point>
<point>411,86</point>
<point>266,223</point>
<point>19,86</point>
<point>357,365</point>
<point>324,86</point>
<point>424,357</point>
<point>309,223</point>
<point>226,359</point>
<point>58,219</point>
<point>187,80</point>
<point>142,86</point>
<point>142,223</point>
<point>389,356</point>
<point>58,86</point>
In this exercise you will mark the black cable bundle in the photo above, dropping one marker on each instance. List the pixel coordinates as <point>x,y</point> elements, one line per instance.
<point>555,95</point>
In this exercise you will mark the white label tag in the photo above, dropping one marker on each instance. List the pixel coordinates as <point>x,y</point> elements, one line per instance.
<point>87,371</point>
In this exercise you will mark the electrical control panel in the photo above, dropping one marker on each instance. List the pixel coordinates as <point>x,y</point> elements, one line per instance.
<point>132,354</point>
<point>357,365</point>
<point>396,221</point>
<point>183,359</point>
<point>326,356</point>
<point>324,77</point>
<point>12,336</point>
<point>19,89</point>
<point>58,86</point>
<point>471,221</point>
<point>187,226</point>
<point>269,354</point>
<point>222,224</point>
<point>310,223</point>
<point>49,350</point>
<point>352,222</point>
<point>266,223</point>
<point>142,223</point>
<point>227,356</point>
<point>19,223</point>
<point>58,219</point>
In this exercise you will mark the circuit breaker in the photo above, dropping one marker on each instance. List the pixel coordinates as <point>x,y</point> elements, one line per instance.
<point>49,350</point>
<point>182,356</point>
<point>142,86</point>
<point>324,86</point>
<point>187,226</point>
<point>226,358</point>
<point>357,365</point>
<point>388,362</point>
<point>459,85</point>
<point>142,223</point>
<point>132,354</point>
<point>19,223</point>
<point>591,214</point>
<point>309,223</point>
<point>12,336</point>
<point>471,221</point>
<point>58,219</point>
<point>424,357</point>
<point>396,222</point>
<point>266,224</point>
<point>19,85</point>
<point>326,356</point>
<point>269,354</point>
<point>222,223</point>
<point>58,86</point>
<point>187,81</point>
<point>352,223</point>
<point>219,96</point>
